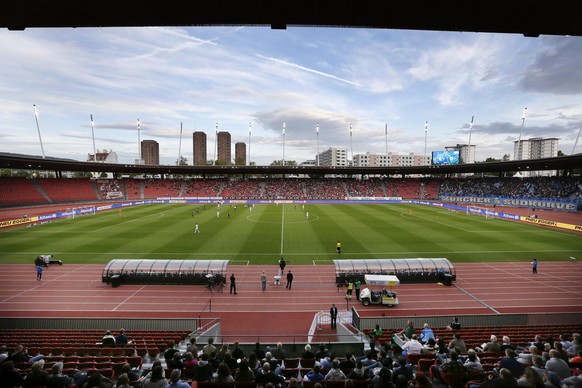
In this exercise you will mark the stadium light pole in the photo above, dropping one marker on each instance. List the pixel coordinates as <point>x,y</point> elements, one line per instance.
<point>38,129</point>
<point>386,141</point>
<point>215,142</point>
<point>576,142</point>
<point>317,142</point>
<point>351,144</point>
<point>520,132</point>
<point>138,142</point>
<point>283,144</point>
<point>250,126</point>
<point>469,147</point>
<point>180,145</point>
<point>93,136</point>
<point>425,137</point>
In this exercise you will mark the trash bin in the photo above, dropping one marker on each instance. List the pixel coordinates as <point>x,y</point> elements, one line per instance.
<point>115,281</point>
<point>448,280</point>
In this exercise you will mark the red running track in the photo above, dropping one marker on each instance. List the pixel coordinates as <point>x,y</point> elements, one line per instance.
<point>76,290</point>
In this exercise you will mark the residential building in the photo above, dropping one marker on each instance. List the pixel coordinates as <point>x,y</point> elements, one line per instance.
<point>150,152</point>
<point>199,148</point>
<point>240,154</point>
<point>224,155</point>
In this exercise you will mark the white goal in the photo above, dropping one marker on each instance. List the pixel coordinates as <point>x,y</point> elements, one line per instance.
<point>480,211</point>
<point>79,211</point>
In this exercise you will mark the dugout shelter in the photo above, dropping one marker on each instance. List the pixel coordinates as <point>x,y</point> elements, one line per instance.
<point>408,270</point>
<point>163,271</point>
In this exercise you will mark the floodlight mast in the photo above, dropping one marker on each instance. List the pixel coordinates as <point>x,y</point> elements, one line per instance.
<point>519,147</point>
<point>283,144</point>
<point>38,130</point>
<point>93,135</point>
<point>425,137</point>
<point>250,127</point>
<point>469,146</point>
<point>138,141</point>
<point>180,146</point>
<point>317,142</point>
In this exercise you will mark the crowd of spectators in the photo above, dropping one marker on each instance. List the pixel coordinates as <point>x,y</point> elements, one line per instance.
<point>538,187</point>
<point>545,362</point>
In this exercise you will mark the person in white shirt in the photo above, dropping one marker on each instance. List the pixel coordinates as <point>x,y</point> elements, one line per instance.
<point>412,346</point>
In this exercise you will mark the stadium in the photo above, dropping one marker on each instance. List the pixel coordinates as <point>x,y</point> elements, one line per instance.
<point>135,261</point>
<point>109,281</point>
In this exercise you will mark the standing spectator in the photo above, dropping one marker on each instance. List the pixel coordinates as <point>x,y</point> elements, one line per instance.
<point>39,272</point>
<point>358,286</point>
<point>333,315</point>
<point>282,265</point>
<point>289,279</point>
<point>350,290</point>
<point>192,348</point>
<point>209,347</point>
<point>232,284</point>
<point>338,247</point>
<point>534,266</point>
<point>264,281</point>
<point>175,381</point>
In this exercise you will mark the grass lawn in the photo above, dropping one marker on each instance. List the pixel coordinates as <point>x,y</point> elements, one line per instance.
<point>266,233</point>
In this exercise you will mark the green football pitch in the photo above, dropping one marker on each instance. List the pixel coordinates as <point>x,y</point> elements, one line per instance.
<point>263,234</point>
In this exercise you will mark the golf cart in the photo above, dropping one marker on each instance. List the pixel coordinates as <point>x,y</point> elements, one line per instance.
<point>382,296</point>
<point>45,260</point>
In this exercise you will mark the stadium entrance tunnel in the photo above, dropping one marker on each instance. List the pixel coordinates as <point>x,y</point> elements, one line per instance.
<point>420,270</point>
<point>151,271</point>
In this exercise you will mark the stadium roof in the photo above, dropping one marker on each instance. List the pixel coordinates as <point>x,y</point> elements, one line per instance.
<point>531,18</point>
<point>28,162</point>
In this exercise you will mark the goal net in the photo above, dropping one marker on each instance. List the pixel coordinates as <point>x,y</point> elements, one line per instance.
<point>79,211</point>
<point>480,211</point>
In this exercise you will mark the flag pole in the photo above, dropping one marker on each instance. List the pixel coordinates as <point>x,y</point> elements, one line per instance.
<point>138,141</point>
<point>386,141</point>
<point>283,144</point>
<point>215,143</point>
<point>351,144</point>
<point>317,142</point>
<point>180,145</point>
<point>38,130</point>
<point>425,137</point>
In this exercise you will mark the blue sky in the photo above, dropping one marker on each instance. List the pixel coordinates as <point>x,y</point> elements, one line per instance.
<point>299,76</point>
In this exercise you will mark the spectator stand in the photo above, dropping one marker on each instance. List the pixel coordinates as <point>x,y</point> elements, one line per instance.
<point>162,271</point>
<point>420,270</point>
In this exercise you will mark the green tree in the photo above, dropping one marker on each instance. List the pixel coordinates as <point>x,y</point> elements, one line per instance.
<point>181,161</point>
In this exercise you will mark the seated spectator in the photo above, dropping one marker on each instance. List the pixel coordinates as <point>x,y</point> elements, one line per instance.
<point>9,376</point>
<point>564,340</point>
<point>244,373</point>
<point>538,364</point>
<point>530,379</point>
<point>455,325</point>
<point>576,358</point>
<point>411,346</point>
<point>429,348</point>
<point>223,349</point>
<point>108,339</point>
<point>525,357</point>
<point>510,363</point>
<point>426,334</point>
<point>3,353</point>
<point>307,353</point>
<point>506,344</point>
<point>315,374</point>
<point>273,363</point>
<point>504,380</point>
<point>229,361</point>
<point>458,344</point>
<point>57,379</point>
<point>383,379</point>
<point>121,338</point>
<point>175,362</point>
<point>21,355</point>
<point>259,351</point>
<point>454,365</point>
<point>223,374</point>
<point>278,352</point>
<point>204,369</point>
<point>349,362</point>
<point>420,381</point>
<point>402,371</point>
<point>576,345</point>
<point>122,381</point>
<point>189,366</point>
<point>254,363</point>
<point>358,372</point>
<point>326,361</point>
<point>404,335</point>
<point>170,351</point>
<point>266,376</point>
<point>157,378</point>
<point>126,369</point>
<point>557,365</point>
<point>37,376</point>
<point>491,346</point>
<point>552,380</point>
<point>473,364</point>
<point>322,352</point>
<point>335,373</point>
<point>175,381</point>
<point>97,380</point>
